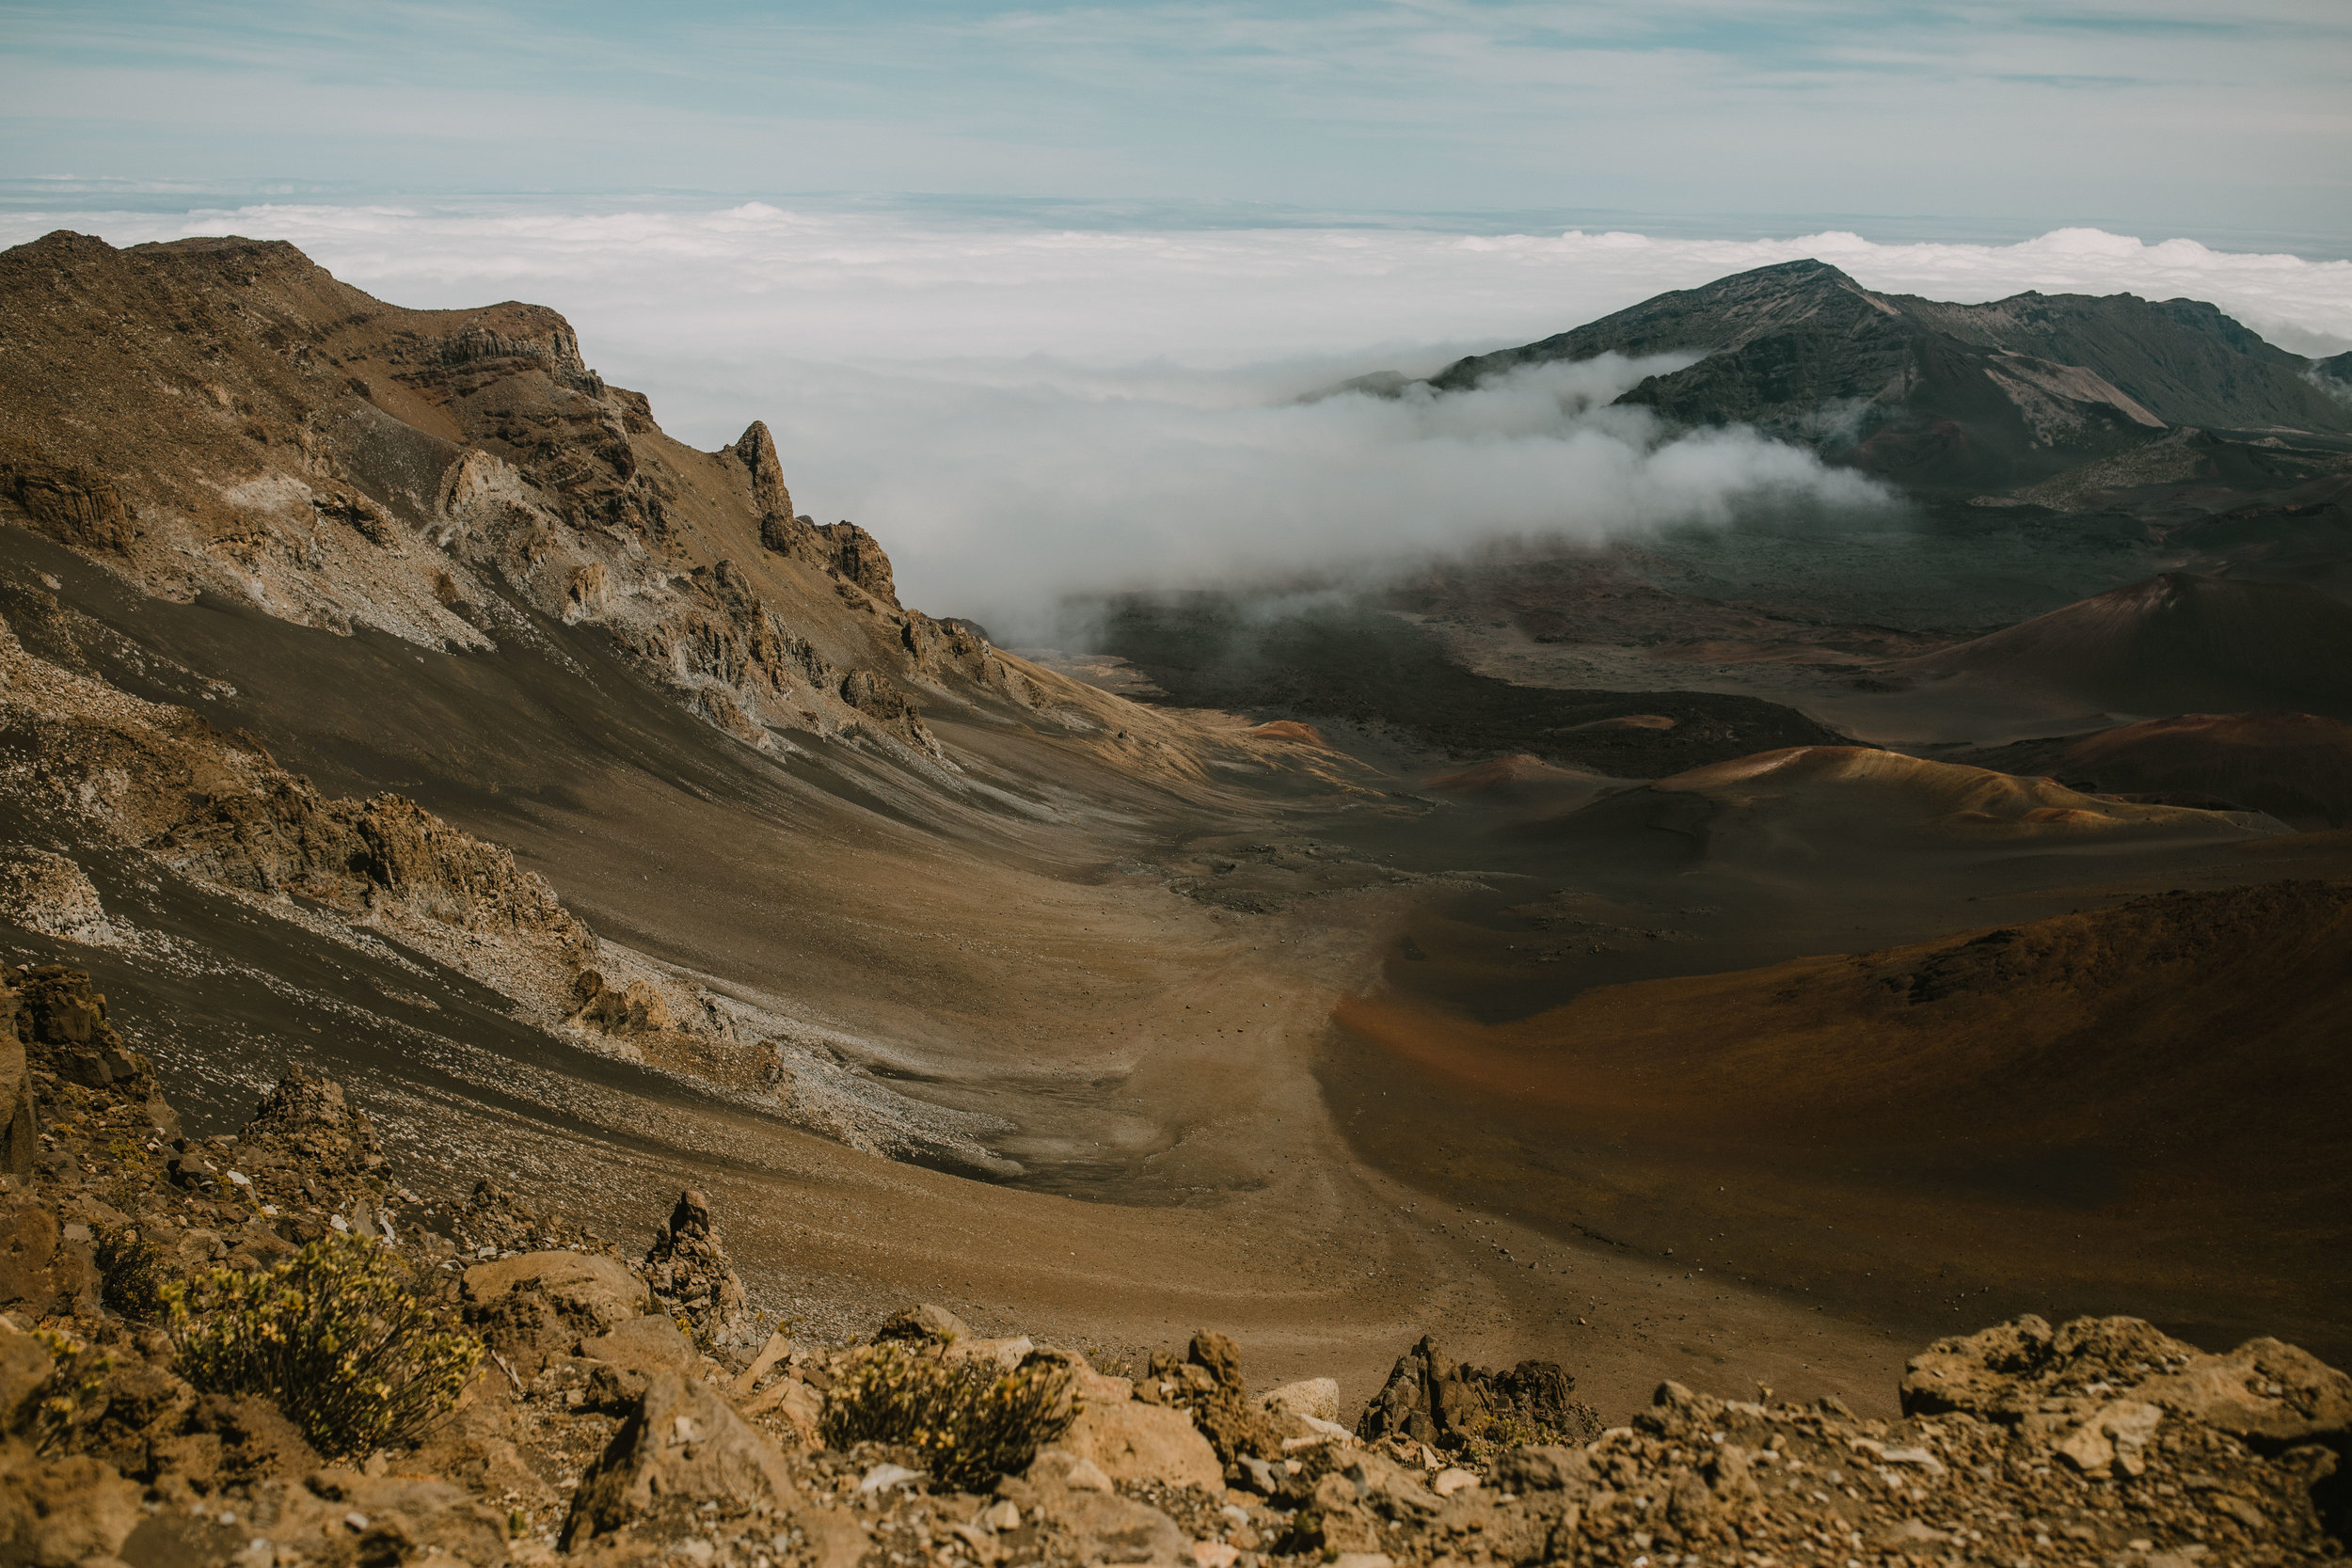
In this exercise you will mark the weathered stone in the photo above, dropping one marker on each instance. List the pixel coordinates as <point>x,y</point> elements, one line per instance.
<point>1545,1468</point>
<point>794,1403</point>
<point>755,450</point>
<point>646,1346</point>
<point>692,1280</point>
<point>41,1274</point>
<point>1430,1400</point>
<point>24,1364</point>
<point>1143,1442</point>
<point>923,1322</point>
<point>2112,1437</point>
<point>1103,1526</point>
<point>684,1444</point>
<point>2273,1395</point>
<point>1318,1396</point>
<point>589,1292</point>
<point>2270,1393</point>
<point>62,1513</point>
<point>20,1138</point>
<point>256,1438</point>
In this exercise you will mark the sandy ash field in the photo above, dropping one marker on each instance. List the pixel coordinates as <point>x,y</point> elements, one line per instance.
<point>1688,993</point>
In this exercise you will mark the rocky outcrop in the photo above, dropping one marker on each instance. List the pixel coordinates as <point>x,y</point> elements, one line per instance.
<point>684,1446</point>
<point>857,555</point>
<point>755,450</point>
<point>1208,1386</point>
<point>46,892</point>
<point>2099,1387</point>
<point>73,505</point>
<point>1455,1405</point>
<point>692,1278</point>
<point>2096,1442</point>
<point>441,476</point>
<point>215,807</point>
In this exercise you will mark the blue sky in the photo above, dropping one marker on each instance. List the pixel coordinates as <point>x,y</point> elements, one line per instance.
<point>2157,117</point>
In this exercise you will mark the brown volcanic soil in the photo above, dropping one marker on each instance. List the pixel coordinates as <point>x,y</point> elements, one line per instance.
<point>2174,643</point>
<point>2297,767</point>
<point>2147,1104</point>
<point>1088,948</point>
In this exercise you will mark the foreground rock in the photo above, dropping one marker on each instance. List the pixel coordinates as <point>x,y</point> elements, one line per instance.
<point>1458,1407</point>
<point>609,1423</point>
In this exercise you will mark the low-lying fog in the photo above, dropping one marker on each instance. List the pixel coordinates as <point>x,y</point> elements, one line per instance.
<point>1020,412</point>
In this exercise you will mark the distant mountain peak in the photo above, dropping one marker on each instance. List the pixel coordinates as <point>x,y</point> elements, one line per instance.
<point>1942,397</point>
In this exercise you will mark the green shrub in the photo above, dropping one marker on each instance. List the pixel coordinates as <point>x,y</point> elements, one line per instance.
<point>333,1335</point>
<point>135,1272</point>
<point>971,1420</point>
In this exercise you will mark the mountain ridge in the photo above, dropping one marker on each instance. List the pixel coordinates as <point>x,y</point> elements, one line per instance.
<point>1941,396</point>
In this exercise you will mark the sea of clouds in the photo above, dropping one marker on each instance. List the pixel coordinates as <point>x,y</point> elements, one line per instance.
<point>1022,411</point>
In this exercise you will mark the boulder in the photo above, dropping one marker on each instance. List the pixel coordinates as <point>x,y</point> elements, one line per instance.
<point>1090,1387</point>
<point>303,1105</point>
<point>794,1403</point>
<point>1545,1468</point>
<point>694,1282</point>
<point>923,1322</point>
<point>1208,1382</point>
<point>255,1439</point>
<point>1446,1404</point>
<point>684,1446</point>
<point>19,1135</point>
<point>385,1519</point>
<point>1134,1442</point>
<point>2271,1394</point>
<point>42,1272</point>
<point>1103,1526</point>
<point>60,1513</point>
<point>25,1366</point>
<point>1315,1396</point>
<point>590,1293</point>
<point>646,1346</point>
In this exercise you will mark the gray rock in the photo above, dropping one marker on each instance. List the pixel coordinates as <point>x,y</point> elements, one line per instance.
<point>685,1445</point>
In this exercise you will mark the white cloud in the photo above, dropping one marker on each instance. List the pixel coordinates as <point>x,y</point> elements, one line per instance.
<point>1017,410</point>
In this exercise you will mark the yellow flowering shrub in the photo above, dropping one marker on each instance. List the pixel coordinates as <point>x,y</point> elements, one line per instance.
<point>69,1395</point>
<point>333,1335</point>
<point>970,1420</point>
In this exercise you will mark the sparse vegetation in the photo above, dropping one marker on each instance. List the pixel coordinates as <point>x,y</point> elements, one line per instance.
<point>134,1271</point>
<point>334,1335</point>
<point>69,1395</point>
<point>970,1420</point>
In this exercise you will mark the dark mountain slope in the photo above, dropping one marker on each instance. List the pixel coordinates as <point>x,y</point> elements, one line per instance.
<point>1941,396</point>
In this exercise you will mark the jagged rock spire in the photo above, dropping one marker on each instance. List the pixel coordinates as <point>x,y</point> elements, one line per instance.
<point>755,449</point>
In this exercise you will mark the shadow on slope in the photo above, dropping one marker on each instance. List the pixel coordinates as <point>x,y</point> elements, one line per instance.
<point>2172,643</point>
<point>2142,1107</point>
<point>2295,767</point>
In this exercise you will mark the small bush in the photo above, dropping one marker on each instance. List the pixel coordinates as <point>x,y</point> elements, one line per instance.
<point>135,1272</point>
<point>68,1396</point>
<point>970,1420</point>
<point>333,1335</point>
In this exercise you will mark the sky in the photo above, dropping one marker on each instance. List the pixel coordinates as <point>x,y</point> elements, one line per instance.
<point>1034,293</point>
<point>2009,118</point>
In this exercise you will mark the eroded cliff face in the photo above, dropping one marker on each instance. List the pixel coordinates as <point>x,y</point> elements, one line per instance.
<point>224,416</point>
<point>222,425</point>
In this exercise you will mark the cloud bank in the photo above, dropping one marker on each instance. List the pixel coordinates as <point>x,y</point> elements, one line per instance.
<point>1021,411</point>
